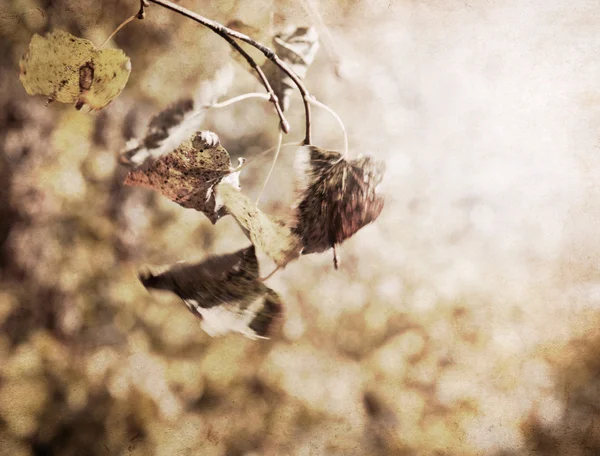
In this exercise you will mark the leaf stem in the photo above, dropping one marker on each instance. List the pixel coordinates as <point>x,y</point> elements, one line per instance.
<point>142,12</point>
<point>123,24</point>
<point>229,102</point>
<point>233,100</point>
<point>277,150</point>
<point>229,35</point>
<point>335,259</point>
<point>264,279</point>
<point>316,102</point>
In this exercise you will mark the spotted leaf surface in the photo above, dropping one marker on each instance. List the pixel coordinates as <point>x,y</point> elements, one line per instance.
<point>188,174</point>
<point>72,70</point>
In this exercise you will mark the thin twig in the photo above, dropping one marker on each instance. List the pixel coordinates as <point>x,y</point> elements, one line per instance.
<point>123,24</point>
<point>335,258</point>
<point>316,102</point>
<point>228,34</point>
<point>233,100</point>
<point>277,150</point>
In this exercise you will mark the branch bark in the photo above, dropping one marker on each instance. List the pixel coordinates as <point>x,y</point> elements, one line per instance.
<point>229,35</point>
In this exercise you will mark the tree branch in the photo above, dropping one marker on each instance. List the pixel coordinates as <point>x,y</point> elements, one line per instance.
<point>228,35</point>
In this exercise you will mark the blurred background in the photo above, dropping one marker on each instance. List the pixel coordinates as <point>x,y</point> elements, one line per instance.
<point>463,322</point>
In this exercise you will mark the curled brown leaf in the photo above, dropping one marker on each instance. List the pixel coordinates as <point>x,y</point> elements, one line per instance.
<point>337,197</point>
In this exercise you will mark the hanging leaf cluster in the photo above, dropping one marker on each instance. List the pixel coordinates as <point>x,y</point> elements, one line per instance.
<point>335,198</point>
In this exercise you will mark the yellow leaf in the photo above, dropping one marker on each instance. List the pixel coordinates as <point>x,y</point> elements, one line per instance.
<point>71,70</point>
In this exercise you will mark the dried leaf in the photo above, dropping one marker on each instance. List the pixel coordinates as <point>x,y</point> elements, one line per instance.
<point>167,130</point>
<point>269,234</point>
<point>337,197</point>
<point>71,70</point>
<point>188,174</point>
<point>297,47</point>
<point>224,291</point>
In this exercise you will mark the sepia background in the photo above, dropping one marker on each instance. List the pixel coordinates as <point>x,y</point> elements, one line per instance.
<point>463,322</point>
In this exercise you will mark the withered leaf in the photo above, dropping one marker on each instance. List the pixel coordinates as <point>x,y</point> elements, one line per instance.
<point>224,292</point>
<point>165,132</point>
<point>72,70</point>
<point>188,174</point>
<point>272,236</point>
<point>297,47</point>
<point>337,197</point>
